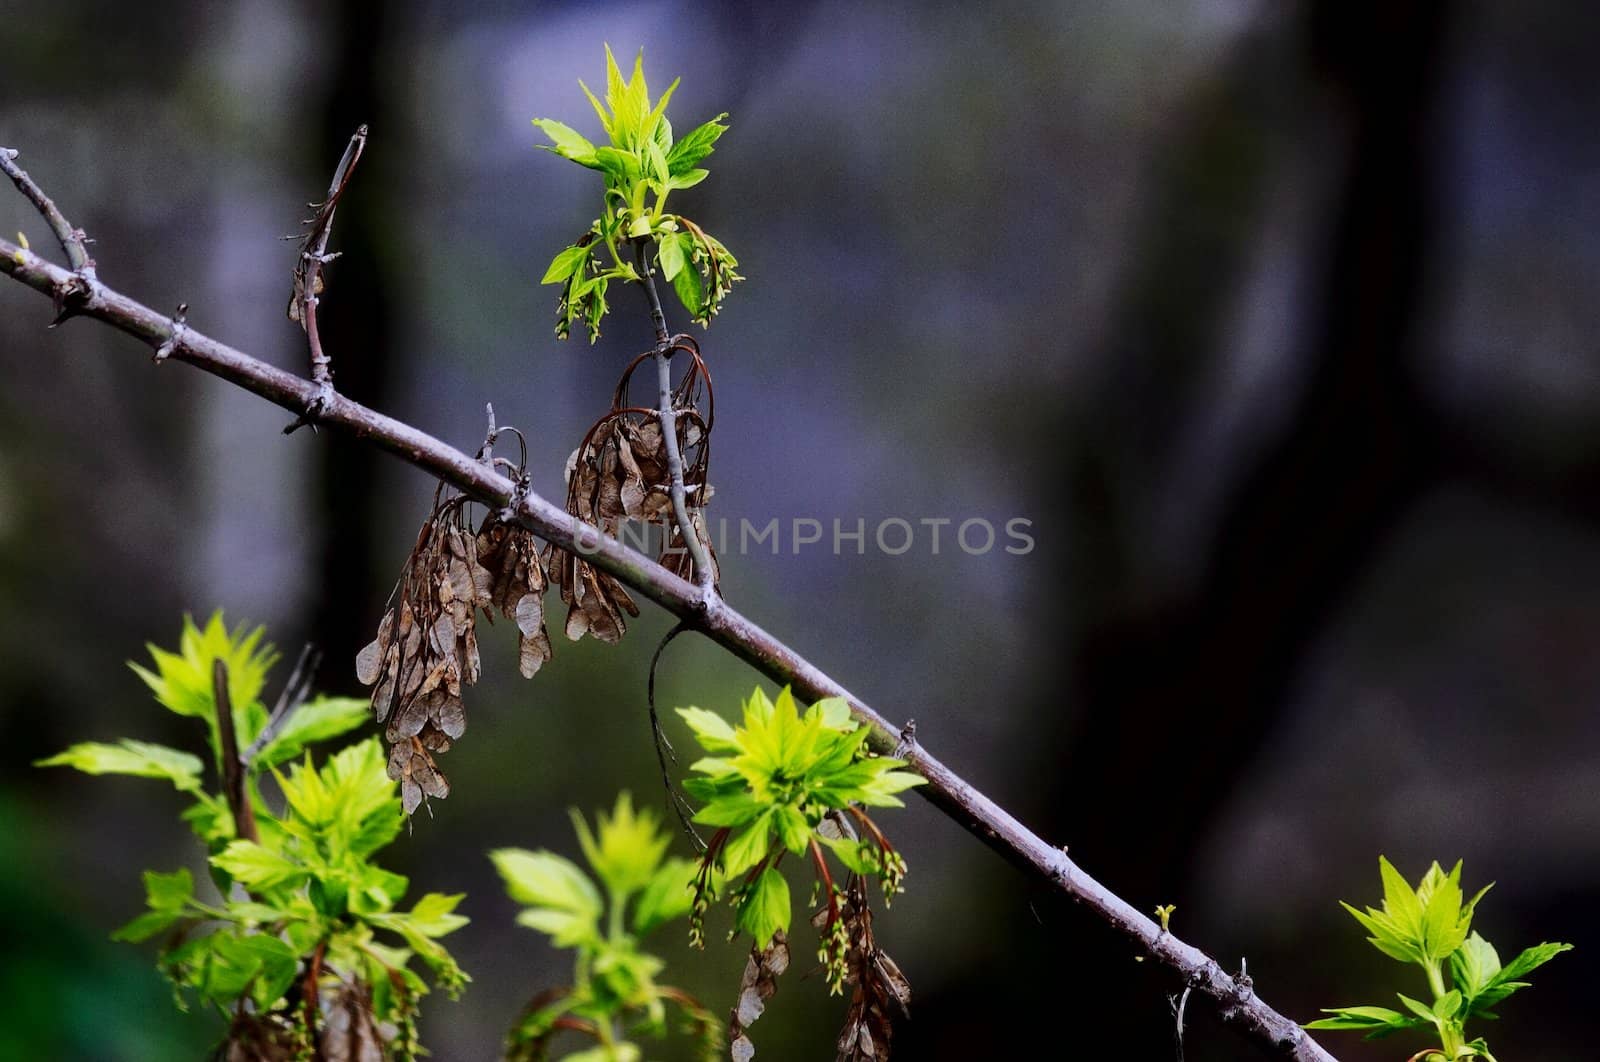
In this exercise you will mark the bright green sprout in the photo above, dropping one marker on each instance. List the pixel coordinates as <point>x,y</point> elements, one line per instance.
<point>642,165</point>
<point>614,980</point>
<point>783,782</point>
<point>302,903</point>
<point>1431,926</point>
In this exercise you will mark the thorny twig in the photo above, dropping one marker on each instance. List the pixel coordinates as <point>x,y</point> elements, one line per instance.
<point>726,626</point>
<point>308,278</point>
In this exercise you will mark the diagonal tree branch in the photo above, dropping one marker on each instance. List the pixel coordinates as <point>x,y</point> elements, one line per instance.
<point>702,611</point>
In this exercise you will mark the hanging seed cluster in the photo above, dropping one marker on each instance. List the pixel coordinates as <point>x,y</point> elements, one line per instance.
<point>517,585</point>
<point>426,651</point>
<point>879,991</point>
<point>758,984</point>
<point>619,473</point>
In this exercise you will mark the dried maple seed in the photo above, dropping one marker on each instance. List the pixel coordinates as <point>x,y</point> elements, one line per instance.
<point>759,984</point>
<point>427,650</point>
<point>516,587</point>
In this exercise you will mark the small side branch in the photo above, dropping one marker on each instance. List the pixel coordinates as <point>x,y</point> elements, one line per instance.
<point>233,765</point>
<point>666,414</point>
<point>308,281</point>
<point>293,696</point>
<point>72,293</point>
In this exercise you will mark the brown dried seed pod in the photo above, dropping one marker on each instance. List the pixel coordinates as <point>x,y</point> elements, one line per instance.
<point>516,587</point>
<point>759,983</point>
<point>879,991</point>
<point>678,560</point>
<point>427,649</point>
<point>350,1031</point>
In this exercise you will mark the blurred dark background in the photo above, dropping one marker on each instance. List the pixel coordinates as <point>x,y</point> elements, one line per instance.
<point>1277,320</point>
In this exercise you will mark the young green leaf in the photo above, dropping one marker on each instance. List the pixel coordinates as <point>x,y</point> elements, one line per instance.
<point>166,896</point>
<point>257,868</point>
<point>137,758</point>
<point>318,719</point>
<point>695,145</point>
<point>629,848</point>
<point>1375,1021</point>
<point>567,142</point>
<point>764,908</point>
<point>666,898</point>
<point>566,264</point>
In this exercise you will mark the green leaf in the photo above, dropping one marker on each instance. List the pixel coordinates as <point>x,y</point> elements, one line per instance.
<point>183,681</point>
<point>566,264</point>
<point>710,729</point>
<point>764,908</point>
<point>669,255</point>
<point>566,929</point>
<point>1509,979</point>
<point>1443,927</point>
<point>695,145</point>
<point>668,896</point>
<point>545,879</point>
<point>166,896</point>
<point>655,162</point>
<point>605,119</point>
<point>629,847</point>
<point>256,868</point>
<point>316,720</point>
<point>1531,959</point>
<point>1384,935</point>
<point>690,289</point>
<point>428,950</point>
<point>857,856</point>
<point>137,758</point>
<point>433,916</point>
<point>564,902</point>
<point>622,167</point>
<point>1376,1021</point>
<point>146,926</point>
<point>749,846</point>
<point>688,179</point>
<point>1473,966</point>
<point>736,809</point>
<point>1400,903</point>
<point>168,892</point>
<point>793,830</point>
<point>657,118</point>
<point>1447,1006</point>
<point>569,144</point>
<point>1417,1007</point>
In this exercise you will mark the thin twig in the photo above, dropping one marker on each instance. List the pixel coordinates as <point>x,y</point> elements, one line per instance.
<point>312,994</point>
<point>74,292</point>
<point>233,768</point>
<point>308,282</point>
<point>73,241</point>
<point>680,807</point>
<point>666,413</point>
<point>724,625</point>
<point>1179,1004</point>
<point>294,694</point>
